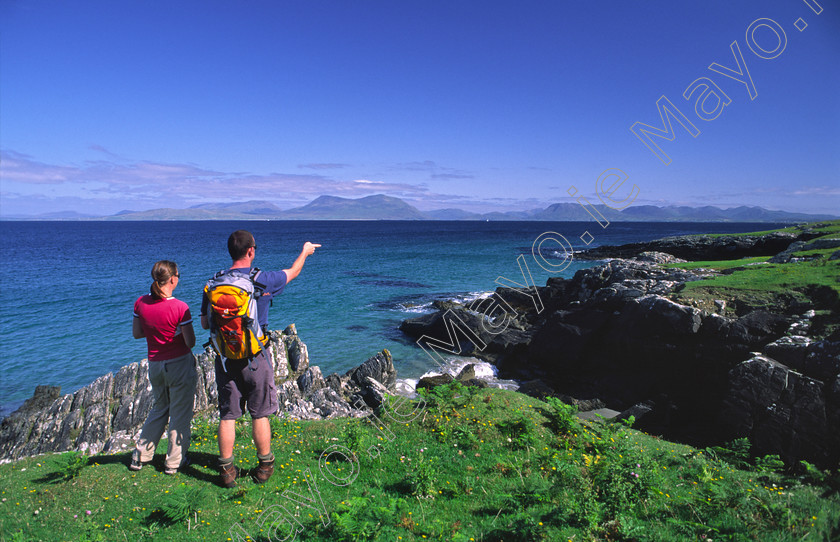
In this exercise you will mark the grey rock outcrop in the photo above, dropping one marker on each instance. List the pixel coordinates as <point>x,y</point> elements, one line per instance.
<point>311,396</point>
<point>107,414</point>
<point>379,367</point>
<point>818,359</point>
<point>788,255</point>
<point>311,381</point>
<point>616,335</point>
<point>783,411</point>
<point>434,380</point>
<point>706,247</point>
<point>466,376</point>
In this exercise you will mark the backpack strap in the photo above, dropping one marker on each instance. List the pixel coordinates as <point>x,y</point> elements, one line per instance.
<point>259,288</point>
<point>254,276</point>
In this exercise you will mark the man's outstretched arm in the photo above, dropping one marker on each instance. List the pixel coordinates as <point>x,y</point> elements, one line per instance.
<point>294,270</point>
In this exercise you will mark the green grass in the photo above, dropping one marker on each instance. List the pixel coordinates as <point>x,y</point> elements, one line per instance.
<point>719,264</point>
<point>828,227</point>
<point>752,283</point>
<point>484,465</point>
<point>797,276</point>
<point>816,253</point>
<point>790,229</point>
<point>790,287</point>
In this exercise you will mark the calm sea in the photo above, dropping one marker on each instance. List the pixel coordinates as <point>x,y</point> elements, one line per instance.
<point>69,287</point>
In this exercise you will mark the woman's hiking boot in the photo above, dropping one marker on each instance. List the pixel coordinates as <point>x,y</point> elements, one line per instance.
<point>263,472</point>
<point>184,464</point>
<point>136,464</point>
<point>230,473</point>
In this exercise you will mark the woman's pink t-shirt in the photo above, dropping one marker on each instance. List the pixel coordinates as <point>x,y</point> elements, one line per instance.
<point>162,320</point>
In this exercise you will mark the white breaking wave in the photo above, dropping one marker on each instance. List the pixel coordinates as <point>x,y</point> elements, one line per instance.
<point>418,308</point>
<point>428,306</point>
<point>454,365</point>
<point>465,299</point>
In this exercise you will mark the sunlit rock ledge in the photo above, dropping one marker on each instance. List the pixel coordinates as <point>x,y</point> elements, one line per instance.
<point>107,414</point>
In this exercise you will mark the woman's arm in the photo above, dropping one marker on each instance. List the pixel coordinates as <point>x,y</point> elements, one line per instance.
<point>137,328</point>
<point>189,334</point>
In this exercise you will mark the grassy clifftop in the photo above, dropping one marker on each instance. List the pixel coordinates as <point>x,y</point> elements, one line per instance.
<point>827,228</point>
<point>470,464</point>
<point>810,280</point>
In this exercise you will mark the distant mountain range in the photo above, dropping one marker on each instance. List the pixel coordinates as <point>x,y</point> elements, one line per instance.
<point>381,207</point>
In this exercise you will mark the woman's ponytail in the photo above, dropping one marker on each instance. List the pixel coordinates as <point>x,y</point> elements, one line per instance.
<point>162,271</point>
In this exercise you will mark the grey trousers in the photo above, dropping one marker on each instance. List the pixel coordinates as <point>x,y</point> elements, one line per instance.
<point>173,386</point>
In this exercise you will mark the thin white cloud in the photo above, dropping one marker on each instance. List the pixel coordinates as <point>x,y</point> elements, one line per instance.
<point>424,165</point>
<point>103,150</point>
<point>452,176</point>
<point>435,170</point>
<point>817,191</point>
<point>113,184</point>
<point>323,166</point>
<point>15,166</point>
<point>171,184</point>
<point>767,193</point>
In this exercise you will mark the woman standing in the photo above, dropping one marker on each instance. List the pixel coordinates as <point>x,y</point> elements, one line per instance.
<point>166,324</point>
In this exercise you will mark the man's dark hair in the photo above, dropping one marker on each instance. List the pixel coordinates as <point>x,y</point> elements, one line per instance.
<point>239,242</point>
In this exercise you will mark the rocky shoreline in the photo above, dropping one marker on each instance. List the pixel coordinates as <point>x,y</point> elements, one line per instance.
<point>107,415</point>
<point>613,336</point>
<point>707,247</point>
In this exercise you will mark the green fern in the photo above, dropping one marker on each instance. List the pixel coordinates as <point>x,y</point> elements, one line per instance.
<point>769,463</point>
<point>368,519</point>
<point>181,503</point>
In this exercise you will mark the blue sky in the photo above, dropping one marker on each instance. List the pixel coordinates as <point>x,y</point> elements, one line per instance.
<point>488,105</point>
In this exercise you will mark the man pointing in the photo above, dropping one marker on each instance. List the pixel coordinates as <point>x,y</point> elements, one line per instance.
<point>249,383</point>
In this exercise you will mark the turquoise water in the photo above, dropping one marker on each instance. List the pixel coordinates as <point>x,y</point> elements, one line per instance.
<point>69,287</point>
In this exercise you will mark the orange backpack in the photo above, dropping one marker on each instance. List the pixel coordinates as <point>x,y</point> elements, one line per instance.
<point>235,332</point>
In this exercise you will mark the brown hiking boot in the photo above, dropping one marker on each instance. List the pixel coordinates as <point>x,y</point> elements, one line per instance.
<point>263,472</point>
<point>229,474</point>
